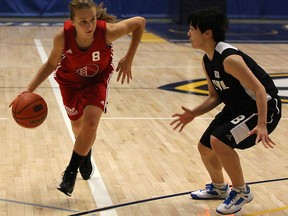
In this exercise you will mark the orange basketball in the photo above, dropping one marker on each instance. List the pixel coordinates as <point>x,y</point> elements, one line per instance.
<point>29,110</point>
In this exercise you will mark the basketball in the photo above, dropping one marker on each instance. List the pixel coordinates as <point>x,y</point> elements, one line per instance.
<point>29,110</point>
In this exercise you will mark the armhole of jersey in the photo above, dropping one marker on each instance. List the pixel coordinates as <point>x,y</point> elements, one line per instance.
<point>205,59</point>
<point>229,52</point>
<point>67,30</point>
<point>101,24</point>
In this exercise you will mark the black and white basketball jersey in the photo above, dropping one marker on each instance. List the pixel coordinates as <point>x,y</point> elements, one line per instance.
<point>233,93</point>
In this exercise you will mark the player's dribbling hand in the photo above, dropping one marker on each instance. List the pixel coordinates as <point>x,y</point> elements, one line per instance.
<point>182,119</point>
<point>20,93</point>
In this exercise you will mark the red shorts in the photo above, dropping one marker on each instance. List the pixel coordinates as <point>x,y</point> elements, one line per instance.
<point>76,99</point>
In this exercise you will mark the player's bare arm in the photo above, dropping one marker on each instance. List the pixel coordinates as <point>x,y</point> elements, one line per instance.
<point>211,101</point>
<point>50,65</point>
<point>233,65</point>
<point>136,25</point>
<point>208,104</point>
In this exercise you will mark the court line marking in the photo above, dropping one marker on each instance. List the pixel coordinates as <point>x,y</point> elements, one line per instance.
<point>97,186</point>
<point>268,211</point>
<point>145,118</point>
<point>158,118</point>
<point>134,118</point>
<point>166,66</point>
<point>174,195</point>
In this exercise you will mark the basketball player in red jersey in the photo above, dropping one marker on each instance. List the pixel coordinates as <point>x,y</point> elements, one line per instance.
<point>82,56</point>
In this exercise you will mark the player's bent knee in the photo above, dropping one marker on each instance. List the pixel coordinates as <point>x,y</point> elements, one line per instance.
<point>218,146</point>
<point>204,150</point>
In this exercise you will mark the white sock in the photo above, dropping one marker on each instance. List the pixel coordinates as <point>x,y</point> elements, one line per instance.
<point>219,185</point>
<point>242,188</point>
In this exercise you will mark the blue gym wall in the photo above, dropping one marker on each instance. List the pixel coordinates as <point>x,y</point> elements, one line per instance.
<point>258,9</point>
<point>274,9</point>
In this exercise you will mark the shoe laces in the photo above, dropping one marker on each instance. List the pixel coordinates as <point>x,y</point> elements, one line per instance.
<point>69,176</point>
<point>231,197</point>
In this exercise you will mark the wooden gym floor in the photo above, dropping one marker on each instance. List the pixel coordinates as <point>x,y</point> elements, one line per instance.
<point>144,168</point>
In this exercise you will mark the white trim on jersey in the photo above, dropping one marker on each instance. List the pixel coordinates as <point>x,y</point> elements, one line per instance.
<point>252,94</point>
<point>278,110</point>
<point>221,47</point>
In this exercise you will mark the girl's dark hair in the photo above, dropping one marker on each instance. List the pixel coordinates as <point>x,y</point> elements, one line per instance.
<point>101,11</point>
<point>210,19</point>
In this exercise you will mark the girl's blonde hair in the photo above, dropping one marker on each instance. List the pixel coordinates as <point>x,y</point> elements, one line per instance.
<point>101,11</point>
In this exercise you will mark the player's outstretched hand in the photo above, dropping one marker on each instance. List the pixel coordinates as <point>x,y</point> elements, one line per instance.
<point>182,119</point>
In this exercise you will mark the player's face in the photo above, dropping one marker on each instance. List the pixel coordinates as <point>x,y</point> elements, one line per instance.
<point>85,21</point>
<point>196,37</point>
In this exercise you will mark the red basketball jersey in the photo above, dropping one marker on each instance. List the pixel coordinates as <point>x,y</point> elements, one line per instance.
<point>81,68</point>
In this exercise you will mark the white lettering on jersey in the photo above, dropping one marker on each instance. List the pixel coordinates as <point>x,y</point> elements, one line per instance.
<point>238,119</point>
<point>96,56</point>
<point>220,85</point>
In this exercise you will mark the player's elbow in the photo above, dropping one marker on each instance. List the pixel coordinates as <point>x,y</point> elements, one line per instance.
<point>141,22</point>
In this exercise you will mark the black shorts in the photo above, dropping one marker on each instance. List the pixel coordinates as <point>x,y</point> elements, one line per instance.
<point>233,130</point>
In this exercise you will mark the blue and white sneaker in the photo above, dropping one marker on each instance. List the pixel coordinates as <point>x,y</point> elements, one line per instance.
<point>211,192</point>
<point>235,201</point>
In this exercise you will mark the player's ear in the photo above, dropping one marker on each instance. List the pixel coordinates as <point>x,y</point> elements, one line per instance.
<point>72,21</point>
<point>208,33</point>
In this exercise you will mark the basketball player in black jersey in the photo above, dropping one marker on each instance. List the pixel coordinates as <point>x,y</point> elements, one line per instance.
<point>252,109</point>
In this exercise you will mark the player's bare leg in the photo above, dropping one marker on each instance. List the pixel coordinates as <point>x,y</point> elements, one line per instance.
<point>240,193</point>
<point>229,160</point>
<point>218,189</point>
<point>83,144</point>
